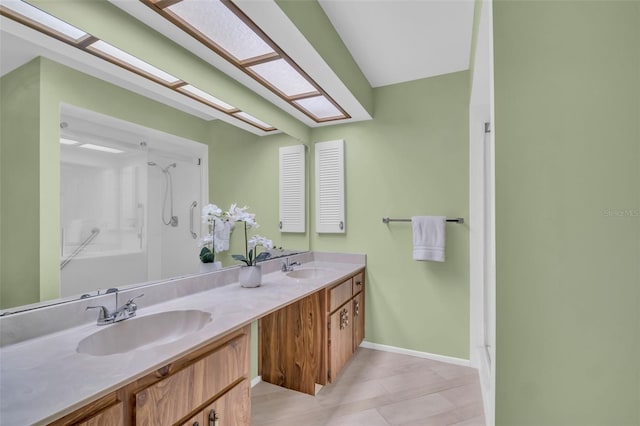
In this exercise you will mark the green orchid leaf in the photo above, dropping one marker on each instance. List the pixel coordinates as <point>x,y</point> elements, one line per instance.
<point>206,256</point>
<point>263,256</point>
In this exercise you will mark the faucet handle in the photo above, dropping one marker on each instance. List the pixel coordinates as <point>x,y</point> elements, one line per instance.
<point>130,301</point>
<point>130,307</point>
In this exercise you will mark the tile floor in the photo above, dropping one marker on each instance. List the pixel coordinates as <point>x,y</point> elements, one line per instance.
<point>378,389</point>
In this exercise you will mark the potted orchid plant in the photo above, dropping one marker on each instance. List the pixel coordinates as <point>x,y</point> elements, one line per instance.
<point>218,226</point>
<point>251,272</point>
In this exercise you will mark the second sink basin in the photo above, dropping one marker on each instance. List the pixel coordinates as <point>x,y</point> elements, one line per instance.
<point>308,273</point>
<point>152,330</point>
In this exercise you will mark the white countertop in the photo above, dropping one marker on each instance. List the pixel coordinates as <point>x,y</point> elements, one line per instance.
<point>43,379</point>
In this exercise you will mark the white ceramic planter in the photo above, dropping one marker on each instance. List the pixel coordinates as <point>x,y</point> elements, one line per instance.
<point>250,276</point>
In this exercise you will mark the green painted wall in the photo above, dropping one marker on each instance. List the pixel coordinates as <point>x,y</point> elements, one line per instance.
<point>567,89</point>
<point>19,185</point>
<point>412,159</point>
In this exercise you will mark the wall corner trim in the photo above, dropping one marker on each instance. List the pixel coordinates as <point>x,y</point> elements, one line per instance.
<point>255,381</point>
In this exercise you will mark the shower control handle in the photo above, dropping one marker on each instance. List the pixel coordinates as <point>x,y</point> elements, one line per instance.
<point>193,206</point>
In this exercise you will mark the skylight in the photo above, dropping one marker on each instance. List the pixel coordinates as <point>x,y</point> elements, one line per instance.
<point>104,48</point>
<point>50,23</point>
<point>219,24</point>
<point>222,27</point>
<point>319,106</point>
<point>284,77</point>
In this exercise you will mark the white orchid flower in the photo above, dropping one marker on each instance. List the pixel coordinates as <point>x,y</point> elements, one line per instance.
<point>210,213</point>
<point>218,246</point>
<point>258,240</point>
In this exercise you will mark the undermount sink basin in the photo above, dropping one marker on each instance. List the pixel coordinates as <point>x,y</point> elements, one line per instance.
<point>149,330</point>
<point>308,273</point>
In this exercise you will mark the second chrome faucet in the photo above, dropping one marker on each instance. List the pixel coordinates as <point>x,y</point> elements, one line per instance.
<point>126,311</point>
<point>287,265</point>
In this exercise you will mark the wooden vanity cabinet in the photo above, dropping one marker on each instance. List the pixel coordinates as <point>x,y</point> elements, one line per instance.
<point>214,378</point>
<point>309,341</point>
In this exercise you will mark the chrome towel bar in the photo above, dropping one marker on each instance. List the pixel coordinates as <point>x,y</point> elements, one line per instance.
<point>455,220</point>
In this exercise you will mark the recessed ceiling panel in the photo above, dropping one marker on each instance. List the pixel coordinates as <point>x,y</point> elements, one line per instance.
<point>219,24</point>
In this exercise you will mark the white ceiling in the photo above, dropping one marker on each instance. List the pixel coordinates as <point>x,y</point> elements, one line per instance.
<point>394,41</point>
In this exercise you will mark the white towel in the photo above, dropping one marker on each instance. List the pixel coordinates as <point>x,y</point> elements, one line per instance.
<point>223,234</point>
<point>428,238</point>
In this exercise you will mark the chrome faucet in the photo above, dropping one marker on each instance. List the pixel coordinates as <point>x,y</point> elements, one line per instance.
<point>287,265</point>
<point>126,311</point>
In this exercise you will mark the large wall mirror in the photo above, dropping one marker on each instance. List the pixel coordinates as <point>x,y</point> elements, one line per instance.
<point>103,186</point>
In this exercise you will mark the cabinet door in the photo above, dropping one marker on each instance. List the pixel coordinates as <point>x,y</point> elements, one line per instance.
<point>358,320</point>
<point>112,416</point>
<point>231,409</point>
<point>340,339</point>
<point>173,398</point>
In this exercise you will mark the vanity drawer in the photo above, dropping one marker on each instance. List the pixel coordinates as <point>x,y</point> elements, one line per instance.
<point>173,398</point>
<point>358,283</point>
<point>339,294</point>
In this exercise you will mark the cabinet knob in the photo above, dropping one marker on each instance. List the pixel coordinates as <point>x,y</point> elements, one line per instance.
<point>356,308</point>
<point>196,424</point>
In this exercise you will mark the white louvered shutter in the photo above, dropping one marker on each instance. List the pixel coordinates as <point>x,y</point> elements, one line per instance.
<point>330,215</point>
<point>292,189</point>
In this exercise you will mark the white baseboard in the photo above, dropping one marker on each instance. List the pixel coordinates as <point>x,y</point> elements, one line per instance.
<point>256,380</point>
<point>427,355</point>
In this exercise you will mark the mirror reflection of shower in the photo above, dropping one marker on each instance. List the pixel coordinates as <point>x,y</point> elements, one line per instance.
<point>112,196</point>
<point>168,193</point>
